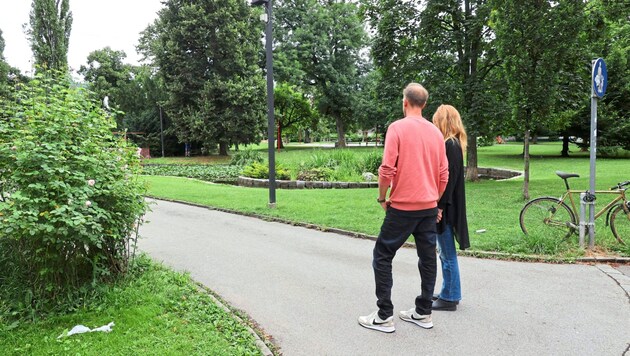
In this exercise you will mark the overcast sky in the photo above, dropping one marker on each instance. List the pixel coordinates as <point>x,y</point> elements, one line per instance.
<point>96,24</point>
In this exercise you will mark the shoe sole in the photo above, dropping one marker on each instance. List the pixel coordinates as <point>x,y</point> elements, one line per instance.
<point>428,325</point>
<point>453,308</point>
<point>384,329</point>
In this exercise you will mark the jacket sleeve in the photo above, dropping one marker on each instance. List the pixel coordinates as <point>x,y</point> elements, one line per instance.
<point>455,164</point>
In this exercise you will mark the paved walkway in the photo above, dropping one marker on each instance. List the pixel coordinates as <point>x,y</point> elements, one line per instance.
<point>306,288</point>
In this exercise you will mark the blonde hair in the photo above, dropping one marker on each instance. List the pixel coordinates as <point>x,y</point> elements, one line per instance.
<point>448,121</point>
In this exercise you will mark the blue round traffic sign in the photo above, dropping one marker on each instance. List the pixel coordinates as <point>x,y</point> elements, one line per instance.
<point>599,78</point>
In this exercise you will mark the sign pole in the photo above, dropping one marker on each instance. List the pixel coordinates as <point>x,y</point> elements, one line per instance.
<point>599,82</point>
<point>593,155</point>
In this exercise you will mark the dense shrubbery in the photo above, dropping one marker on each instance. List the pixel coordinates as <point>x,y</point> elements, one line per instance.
<point>320,165</point>
<point>211,173</point>
<point>261,171</point>
<point>70,200</point>
<point>339,165</point>
<point>246,157</point>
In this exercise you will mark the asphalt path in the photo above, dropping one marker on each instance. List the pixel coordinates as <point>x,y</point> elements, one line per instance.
<point>306,288</point>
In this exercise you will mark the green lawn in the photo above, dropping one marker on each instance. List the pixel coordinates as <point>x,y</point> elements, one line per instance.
<point>493,206</point>
<point>157,312</point>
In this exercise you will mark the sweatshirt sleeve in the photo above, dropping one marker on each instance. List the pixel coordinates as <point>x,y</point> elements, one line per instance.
<point>454,168</point>
<point>387,170</point>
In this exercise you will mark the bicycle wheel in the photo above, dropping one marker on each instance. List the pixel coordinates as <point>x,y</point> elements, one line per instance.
<point>620,222</point>
<point>547,216</point>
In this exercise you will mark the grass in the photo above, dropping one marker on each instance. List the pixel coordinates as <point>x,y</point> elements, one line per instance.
<point>493,206</point>
<point>155,311</point>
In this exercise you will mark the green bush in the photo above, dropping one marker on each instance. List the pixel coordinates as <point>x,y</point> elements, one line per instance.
<point>246,157</point>
<point>316,174</point>
<point>261,171</point>
<point>211,173</point>
<point>71,202</point>
<point>371,162</point>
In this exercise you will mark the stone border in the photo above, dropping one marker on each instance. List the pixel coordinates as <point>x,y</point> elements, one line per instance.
<point>226,307</point>
<point>494,173</point>
<point>301,184</point>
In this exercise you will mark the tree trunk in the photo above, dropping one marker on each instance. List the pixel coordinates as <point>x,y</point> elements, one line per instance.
<point>341,133</point>
<point>280,144</point>
<point>526,170</point>
<point>223,149</point>
<point>565,145</point>
<point>472,171</point>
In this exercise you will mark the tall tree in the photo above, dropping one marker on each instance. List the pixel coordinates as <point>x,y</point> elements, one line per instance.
<point>207,52</point>
<point>292,109</point>
<point>321,42</point>
<point>49,33</point>
<point>4,69</point>
<point>448,46</point>
<point>536,40</point>
<point>107,74</point>
<point>613,45</point>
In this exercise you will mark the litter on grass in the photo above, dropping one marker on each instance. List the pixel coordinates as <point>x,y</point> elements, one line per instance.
<point>81,329</point>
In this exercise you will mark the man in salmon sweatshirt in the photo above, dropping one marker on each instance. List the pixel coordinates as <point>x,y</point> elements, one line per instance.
<point>415,167</point>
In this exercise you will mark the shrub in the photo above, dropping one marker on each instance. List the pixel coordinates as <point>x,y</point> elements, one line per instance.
<point>316,174</point>
<point>261,171</point>
<point>70,216</point>
<point>246,157</point>
<point>371,162</point>
<point>211,173</point>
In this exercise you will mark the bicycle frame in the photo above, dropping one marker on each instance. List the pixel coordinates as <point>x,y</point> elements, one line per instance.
<point>621,197</point>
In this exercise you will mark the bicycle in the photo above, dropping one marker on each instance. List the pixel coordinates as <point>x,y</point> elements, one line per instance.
<point>552,215</point>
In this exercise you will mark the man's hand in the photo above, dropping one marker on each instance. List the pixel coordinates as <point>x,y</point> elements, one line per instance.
<point>439,216</point>
<point>385,204</point>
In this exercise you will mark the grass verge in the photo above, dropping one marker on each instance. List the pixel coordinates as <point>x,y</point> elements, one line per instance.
<point>156,311</point>
<point>493,206</point>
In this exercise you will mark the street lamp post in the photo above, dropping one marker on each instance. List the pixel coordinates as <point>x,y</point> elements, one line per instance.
<point>161,132</point>
<point>270,110</point>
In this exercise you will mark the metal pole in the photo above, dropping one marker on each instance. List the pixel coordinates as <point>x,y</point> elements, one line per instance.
<point>161,132</point>
<point>593,156</point>
<point>582,218</point>
<point>270,114</point>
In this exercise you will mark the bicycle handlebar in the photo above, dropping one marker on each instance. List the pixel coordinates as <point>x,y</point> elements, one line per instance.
<point>621,185</point>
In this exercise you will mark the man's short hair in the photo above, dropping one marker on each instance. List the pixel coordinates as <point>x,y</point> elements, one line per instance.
<point>416,95</point>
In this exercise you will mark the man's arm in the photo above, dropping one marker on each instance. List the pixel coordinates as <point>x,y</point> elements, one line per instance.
<point>387,170</point>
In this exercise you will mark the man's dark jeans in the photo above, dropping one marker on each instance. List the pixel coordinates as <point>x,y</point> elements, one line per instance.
<point>396,228</point>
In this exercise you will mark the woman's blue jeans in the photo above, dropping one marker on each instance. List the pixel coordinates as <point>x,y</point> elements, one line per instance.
<point>451,289</point>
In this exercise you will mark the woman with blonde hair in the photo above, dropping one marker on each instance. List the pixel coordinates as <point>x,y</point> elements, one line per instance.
<point>452,223</point>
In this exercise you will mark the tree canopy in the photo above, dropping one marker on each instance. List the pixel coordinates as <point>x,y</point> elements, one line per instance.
<point>320,42</point>
<point>207,53</point>
<point>49,33</point>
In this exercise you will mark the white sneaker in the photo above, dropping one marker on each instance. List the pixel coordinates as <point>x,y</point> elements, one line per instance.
<point>373,321</point>
<point>424,321</point>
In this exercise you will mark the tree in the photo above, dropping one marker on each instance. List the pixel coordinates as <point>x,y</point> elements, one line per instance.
<point>142,99</point>
<point>207,53</point>
<point>448,46</point>
<point>49,33</point>
<point>4,70</point>
<point>536,41</point>
<point>292,108</point>
<point>106,73</point>
<point>613,45</point>
<point>371,111</point>
<point>320,42</point>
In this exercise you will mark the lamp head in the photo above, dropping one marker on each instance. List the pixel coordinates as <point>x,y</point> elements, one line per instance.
<point>259,2</point>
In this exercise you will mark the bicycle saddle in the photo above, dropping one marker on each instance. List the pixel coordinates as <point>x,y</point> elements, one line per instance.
<point>565,175</point>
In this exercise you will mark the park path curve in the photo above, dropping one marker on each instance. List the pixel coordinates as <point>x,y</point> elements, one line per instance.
<point>306,288</point>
